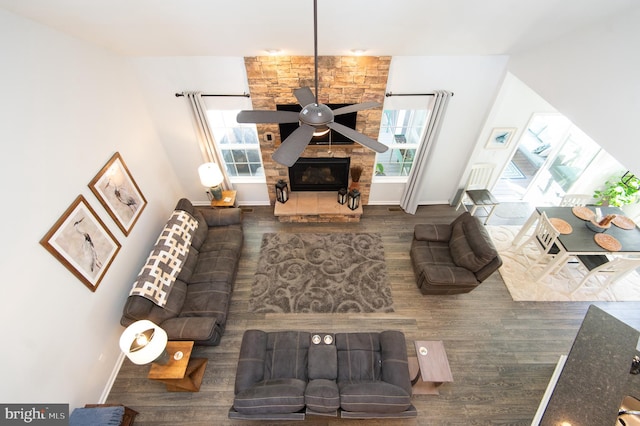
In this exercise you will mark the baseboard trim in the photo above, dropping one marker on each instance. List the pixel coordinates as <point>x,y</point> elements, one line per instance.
<point>112,378</point>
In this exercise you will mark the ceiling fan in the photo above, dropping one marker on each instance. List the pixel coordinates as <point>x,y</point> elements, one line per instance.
<point>315,119</point>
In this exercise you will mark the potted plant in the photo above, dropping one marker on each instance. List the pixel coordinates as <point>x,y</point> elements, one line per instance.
<point>356,173</point>
<point>618,191</point>
<point>380,169</point>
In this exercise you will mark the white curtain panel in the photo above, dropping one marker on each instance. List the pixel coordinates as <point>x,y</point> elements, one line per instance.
<point>206,141</point>
<point>410,195</point>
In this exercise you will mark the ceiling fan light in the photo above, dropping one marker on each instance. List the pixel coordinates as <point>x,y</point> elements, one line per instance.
<point>321,131</point>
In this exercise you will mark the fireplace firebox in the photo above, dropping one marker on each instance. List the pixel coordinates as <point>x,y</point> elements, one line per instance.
<point>319,174</point>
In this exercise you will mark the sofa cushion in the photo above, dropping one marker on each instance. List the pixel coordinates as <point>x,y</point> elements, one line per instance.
<point>322,395</point>
<point>446,275</point>
<point>200,235</point>
<point>431,252</point>
<point>224,238</point>
<point>323,362</point>
<point>217,265</point>
<point>358,356</point>
<point>138,308</point>
<point>276,396</point>
<point>287,354</point>
<point>373,397</point>
<point>207,300</point>
<point>466,249</point>
<point>432,232</point>
<point>189,265</point>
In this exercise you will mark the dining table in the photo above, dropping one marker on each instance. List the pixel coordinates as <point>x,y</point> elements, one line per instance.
<point>577,239</point>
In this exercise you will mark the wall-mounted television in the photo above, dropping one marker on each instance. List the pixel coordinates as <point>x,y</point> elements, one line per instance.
<point>336,138</point>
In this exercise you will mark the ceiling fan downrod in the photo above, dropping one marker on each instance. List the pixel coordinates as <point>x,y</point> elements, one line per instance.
<point>315,44</point>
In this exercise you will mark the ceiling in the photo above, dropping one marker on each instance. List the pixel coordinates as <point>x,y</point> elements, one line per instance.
<point>250,27</point>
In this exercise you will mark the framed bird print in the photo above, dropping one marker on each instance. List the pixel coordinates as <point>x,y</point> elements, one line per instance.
<point>119,194</point>
<point>82,243</point>
<point>500,138</point>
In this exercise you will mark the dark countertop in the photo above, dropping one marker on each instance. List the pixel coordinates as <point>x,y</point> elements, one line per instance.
<point>596,375</point>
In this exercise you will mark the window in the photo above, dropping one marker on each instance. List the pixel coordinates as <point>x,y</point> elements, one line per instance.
<point>401,130</point>
<point>238,144</point>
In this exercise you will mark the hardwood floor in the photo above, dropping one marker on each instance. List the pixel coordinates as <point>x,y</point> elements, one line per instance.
<point>502,353</point>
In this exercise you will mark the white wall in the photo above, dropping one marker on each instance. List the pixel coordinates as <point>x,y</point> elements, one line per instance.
<point>161,78</point>
<point>66,107</point>
<point>514,107</point>
<point>591,76</point>
<point>475,81</point>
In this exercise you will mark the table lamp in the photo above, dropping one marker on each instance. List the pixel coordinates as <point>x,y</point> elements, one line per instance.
<point>211,177</point>
<point>144,342</point>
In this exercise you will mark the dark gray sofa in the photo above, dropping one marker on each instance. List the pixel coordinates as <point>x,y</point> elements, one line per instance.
<point>198,303</point>
<point>285,375</point>
<point>452,258</point>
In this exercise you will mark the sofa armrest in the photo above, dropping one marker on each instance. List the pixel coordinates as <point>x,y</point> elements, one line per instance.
<point>221,217</point>
<point>432,232</point>
<point>199,329</point>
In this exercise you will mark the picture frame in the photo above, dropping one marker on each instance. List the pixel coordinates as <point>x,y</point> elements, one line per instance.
<point>119,193</point>
<point>500,138</point>
<point>82,243</point>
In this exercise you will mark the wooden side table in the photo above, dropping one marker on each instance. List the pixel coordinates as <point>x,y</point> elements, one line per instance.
<point>228,199</point>
<point>182,375</point>
<point>430,368</point>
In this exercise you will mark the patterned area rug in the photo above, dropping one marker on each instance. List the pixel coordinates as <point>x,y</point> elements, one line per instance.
<point>321,273</point>
<point>555,288</point>
<point>512,172</point>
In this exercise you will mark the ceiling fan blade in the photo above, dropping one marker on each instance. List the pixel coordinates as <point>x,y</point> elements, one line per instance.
<point>257,116</point>
<point>358,137</point>
<point>355,107</point>
<point>291,148</point>
<point>305,96</point>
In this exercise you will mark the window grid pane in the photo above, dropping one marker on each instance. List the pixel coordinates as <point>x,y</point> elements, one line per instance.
<point>239,143</point>
<point>401,131</point>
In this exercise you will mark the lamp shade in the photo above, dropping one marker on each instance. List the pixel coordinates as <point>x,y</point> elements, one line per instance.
<point>210,175</point>
<point>143,342</point>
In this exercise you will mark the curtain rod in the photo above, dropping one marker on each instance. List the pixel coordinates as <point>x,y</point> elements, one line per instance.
<point>244,95</point>
<point>410,94</point>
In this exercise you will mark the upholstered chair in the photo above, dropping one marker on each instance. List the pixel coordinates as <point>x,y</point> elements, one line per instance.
<point>453,258</point>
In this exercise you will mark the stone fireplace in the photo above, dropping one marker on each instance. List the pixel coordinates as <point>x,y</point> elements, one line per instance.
<point>319,174</point>
<point>342,79</point>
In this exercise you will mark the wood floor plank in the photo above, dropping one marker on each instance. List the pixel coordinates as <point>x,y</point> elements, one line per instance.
<point>502,353</point>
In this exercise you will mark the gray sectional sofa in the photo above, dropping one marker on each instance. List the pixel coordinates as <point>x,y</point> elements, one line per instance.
<point>198,302</point>
<point>286,375</point>
<point>452,258</point>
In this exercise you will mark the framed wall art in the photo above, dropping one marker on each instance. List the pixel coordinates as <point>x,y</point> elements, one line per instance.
<point>119,194</point>
<point>500,138</point>
<point>82,243</point>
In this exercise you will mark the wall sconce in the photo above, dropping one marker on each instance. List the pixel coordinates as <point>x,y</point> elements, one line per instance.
<point>342,195</point>
<point>144,342</point>
<point>282,191</point>
<point>354,199</point>
<point>211,177</point>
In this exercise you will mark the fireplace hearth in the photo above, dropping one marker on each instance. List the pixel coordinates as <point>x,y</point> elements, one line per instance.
<point>319,174</point>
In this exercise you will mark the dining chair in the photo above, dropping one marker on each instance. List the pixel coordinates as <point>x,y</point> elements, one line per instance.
<point>477,191</point>
<point>572,200</point>
<point>544,239</point>
<point>609,268</point>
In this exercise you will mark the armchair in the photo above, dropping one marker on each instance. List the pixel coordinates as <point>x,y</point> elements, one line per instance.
<point>452,258</point>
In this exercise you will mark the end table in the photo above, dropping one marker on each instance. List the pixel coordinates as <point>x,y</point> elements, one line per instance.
<point>180,375</point>
<point>430,368</point>
<point>228,199</point>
